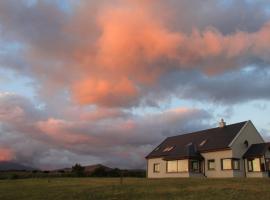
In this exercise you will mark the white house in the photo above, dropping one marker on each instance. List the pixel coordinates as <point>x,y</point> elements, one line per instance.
<point>236,150</point>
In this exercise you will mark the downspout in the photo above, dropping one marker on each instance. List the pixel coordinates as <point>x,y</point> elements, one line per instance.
<point>204,163</point>
<point>245,172</point>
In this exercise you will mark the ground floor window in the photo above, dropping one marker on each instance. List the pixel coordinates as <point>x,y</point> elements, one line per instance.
<point>172,166</point>
<point>177,166</point>
<point>211,164</point>
<point>194,166</point>
<point>156,167</point>
<point>254,165</point>
<point>230,164</point>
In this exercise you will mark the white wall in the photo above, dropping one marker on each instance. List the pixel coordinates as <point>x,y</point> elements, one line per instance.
<point>217,156</point>
<point>249,133</point>
<point>163,171</point>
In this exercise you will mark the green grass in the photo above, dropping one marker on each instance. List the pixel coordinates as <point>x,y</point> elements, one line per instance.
<point>134,188</point>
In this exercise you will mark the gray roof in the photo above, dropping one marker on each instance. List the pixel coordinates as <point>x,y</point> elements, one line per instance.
<point>256,150</point>
<point>191,144</point>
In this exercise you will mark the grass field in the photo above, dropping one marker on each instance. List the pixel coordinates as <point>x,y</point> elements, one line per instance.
<point>134,188</point>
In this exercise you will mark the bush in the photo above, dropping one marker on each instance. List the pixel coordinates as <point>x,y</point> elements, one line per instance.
<point>78,170</point>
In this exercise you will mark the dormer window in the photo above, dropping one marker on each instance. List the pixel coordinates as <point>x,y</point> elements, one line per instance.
<point>246,143</point>
<point>167,149</point>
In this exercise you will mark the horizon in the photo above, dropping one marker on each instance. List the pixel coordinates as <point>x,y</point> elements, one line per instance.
<point>107,81</point>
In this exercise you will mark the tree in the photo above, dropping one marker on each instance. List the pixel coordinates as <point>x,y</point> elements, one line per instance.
<point>99,172</point>
<point>78,170</point>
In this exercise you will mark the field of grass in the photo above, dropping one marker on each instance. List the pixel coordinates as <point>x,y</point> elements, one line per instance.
<point>134,188</point>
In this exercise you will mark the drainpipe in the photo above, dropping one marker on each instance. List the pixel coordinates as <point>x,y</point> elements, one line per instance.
<point>245,172</point>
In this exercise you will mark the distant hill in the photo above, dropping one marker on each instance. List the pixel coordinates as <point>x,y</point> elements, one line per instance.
<point>87,168</point>
<point>12,166</point>
<point>91,168</point>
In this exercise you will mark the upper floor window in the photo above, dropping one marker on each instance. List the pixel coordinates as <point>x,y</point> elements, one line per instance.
<point>246,143</point>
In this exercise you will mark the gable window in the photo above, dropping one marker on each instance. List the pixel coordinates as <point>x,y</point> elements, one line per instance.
<point>211,164</point>
<point>246,143</point>
<point>230,164</point>
<point>254,165</point>
<point>156,167</point>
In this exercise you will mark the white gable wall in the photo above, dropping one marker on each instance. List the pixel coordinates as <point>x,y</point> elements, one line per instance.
<point>247,133</point>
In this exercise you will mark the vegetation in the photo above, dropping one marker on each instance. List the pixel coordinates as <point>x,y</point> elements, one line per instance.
<point>134,188</point>
<point>78,170</point>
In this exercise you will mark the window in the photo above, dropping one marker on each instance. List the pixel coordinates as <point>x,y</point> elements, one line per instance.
<point>177,166</point>
<point>168,149</point>
<point>172,166</point>
<point>250,167</point>
<point>246,143</point>
<point>254,165</point>
<point>236,164</point>
<point>182,165</point>
<point>230,163</point>
<point>211,164</point>
<point>157,149</point>
<point>194,166</point>
<point>156,167</point>
<point>202,143</point>
<point>226,164</point>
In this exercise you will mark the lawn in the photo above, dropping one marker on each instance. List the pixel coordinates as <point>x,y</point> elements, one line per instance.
<point>134,188</point>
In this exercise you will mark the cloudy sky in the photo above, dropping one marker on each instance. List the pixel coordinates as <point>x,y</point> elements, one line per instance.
<point>105,81</point>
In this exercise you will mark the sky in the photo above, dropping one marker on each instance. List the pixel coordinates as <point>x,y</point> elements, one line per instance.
<point>106,81</point>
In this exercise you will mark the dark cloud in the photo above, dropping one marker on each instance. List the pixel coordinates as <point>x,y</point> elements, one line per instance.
<point>36,137</point>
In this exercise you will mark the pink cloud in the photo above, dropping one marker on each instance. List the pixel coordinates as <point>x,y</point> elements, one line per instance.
<point>6,154</point>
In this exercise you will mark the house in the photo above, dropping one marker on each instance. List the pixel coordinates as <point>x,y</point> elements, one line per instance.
<point>236,150</point>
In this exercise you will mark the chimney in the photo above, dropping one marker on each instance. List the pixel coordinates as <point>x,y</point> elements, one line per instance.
<point>222,123</point>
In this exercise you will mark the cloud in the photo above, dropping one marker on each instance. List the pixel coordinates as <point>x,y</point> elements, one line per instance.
<point>116,54</point>
<point>94,62</point>
<point>6,154</point>
<point>37,138</point>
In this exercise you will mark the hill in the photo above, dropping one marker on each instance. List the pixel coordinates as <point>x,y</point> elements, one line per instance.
<point>13,166</point>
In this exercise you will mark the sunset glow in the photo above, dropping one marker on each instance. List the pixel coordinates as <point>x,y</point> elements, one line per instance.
<point>105,81</point>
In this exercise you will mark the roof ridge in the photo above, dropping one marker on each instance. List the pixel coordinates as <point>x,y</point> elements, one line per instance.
<point>195,132</point>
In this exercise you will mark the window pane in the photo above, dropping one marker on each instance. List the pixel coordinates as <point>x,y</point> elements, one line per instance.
<point>172,166</point>
<point>211,164</point>
<point>156,167</point>
<point>227,164</point>
<point>256,165</point>
<point>236,164</point>
<point>194,165</point>
<point>250,165</point>
<point>182,165</point>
